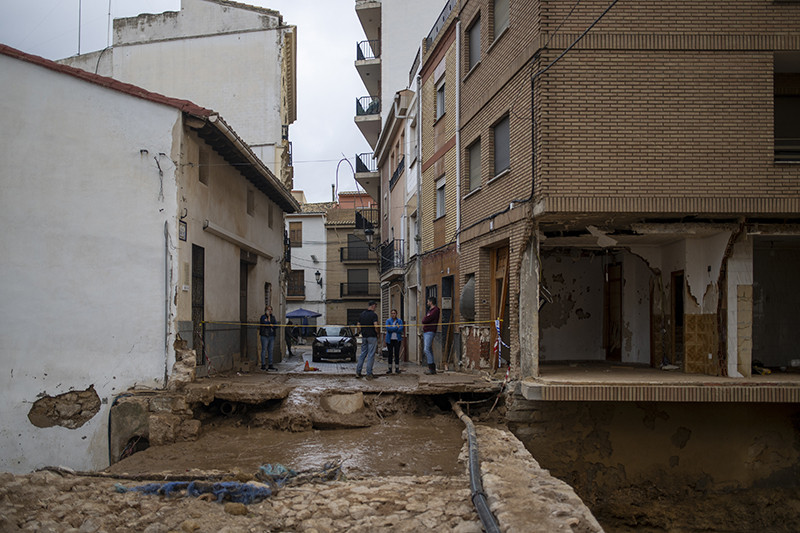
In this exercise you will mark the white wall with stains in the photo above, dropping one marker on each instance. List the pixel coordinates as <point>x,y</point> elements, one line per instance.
<point>82,268</point>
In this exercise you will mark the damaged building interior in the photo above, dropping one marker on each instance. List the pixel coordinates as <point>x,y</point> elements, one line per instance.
<point>702,296</point>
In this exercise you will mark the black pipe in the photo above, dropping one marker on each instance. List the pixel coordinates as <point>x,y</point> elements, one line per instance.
<point>227,408</point>
<point>475,485</point>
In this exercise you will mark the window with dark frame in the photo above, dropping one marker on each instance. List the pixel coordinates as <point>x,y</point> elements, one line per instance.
<point>440,198</point>
<point>440,103</point>
<point>502,146</point>
<point>296,283</point>
<point>474,163</point>
<point>500,12</point>
<point>786,106</point>
<point>474,44</point>
<point>296,234</point>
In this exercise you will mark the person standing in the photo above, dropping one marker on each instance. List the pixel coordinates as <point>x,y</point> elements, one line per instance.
<point>368,325</point>
<point>267,333</point>
<point>289,336</point>
<point>430,322</point>
<point>394,337</point>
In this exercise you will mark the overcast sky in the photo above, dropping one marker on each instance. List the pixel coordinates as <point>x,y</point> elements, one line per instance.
<point>328,83</point>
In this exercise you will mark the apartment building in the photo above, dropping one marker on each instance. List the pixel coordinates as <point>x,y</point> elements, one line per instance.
<point>634,190</point>
<point>352,258</point>
<point>390,174</point>
<point>440,188</point>
<point>305,288</point>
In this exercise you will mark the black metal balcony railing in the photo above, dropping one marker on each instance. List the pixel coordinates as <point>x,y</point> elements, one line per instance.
<point>365,163</point>
<point>368,50</point>
<point>367,218</point>
<point>392,255</point>
<point>368,105</point>
<point>357,253</point>
<point>787,149</point>
<point>396,174</point>
<point>437,27</point>
<point>359,289</point>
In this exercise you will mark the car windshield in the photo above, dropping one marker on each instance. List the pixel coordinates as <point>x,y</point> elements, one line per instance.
<point>333,331</point>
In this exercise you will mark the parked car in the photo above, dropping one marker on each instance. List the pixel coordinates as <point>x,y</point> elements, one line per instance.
<point>334,342</point>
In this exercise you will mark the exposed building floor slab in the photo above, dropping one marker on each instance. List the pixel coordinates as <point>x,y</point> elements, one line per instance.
<point>620,382</point>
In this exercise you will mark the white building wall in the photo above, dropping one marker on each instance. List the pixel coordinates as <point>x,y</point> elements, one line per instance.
<point>83,262</point>
<point>220,57</point>
<point>405,23</point>
<point>222,202</point>
<point>314,244</point>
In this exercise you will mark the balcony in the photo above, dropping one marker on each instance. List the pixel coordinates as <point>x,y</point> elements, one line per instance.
<point>397,172</point>
<point>392,259</point>
<point>369,14</point>
<point>439,25</point>
<point>368,65</point>
<point>368,118</point>
<point>367,173</point>
<point>357,254</point>
<point>359,290</point>
<point>367,219</point>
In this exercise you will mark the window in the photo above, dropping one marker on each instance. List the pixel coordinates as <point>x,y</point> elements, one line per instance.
<point>251,202</point>
<point>296,234</point>
<point>358,281</point>
<point>440,101</point>
<point>474,44</point>
<point>502,151</point>
<point>204,167</point>
<point>296,286</point>
<point>440,206</point>
<point>267,294</point>
<point>474,154</point>
<point>500,16</point>
<point>787,106</point>
<point>357,248</point>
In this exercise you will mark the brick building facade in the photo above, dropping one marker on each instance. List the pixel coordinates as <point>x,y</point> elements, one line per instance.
<point>641,178</point>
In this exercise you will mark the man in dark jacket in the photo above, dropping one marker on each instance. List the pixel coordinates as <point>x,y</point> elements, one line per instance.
<point>267,333</point>
<point>368,324</point>
<point>430,322</point>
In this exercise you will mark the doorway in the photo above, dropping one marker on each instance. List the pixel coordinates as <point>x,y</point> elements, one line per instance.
<point>499,303</point>
<point>612,317</point>
<point>198,302</point>
<point>678,329</point>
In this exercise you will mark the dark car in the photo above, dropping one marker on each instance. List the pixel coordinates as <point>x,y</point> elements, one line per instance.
<point>334,342</point>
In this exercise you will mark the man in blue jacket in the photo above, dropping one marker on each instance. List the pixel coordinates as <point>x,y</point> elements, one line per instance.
<point>394,337</point>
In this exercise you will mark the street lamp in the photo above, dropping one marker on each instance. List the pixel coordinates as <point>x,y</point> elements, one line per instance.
<point>369,235</point>
<point>318,277</point>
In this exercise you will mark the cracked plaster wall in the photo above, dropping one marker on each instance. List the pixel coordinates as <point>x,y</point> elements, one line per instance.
<point>571,327</point>
<point>83,281</point>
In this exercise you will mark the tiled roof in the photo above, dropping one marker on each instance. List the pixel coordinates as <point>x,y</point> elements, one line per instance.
<point>341,217</point>
<point>321,207</point>
<point>184,105</point>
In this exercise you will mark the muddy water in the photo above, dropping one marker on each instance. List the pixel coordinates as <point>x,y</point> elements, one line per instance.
<point>404,445</point>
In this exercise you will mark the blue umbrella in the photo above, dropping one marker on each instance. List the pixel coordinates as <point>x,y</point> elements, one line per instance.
<point>302,313</point>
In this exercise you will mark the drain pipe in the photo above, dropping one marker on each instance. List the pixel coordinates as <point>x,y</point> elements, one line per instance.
<point>475,485</point>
